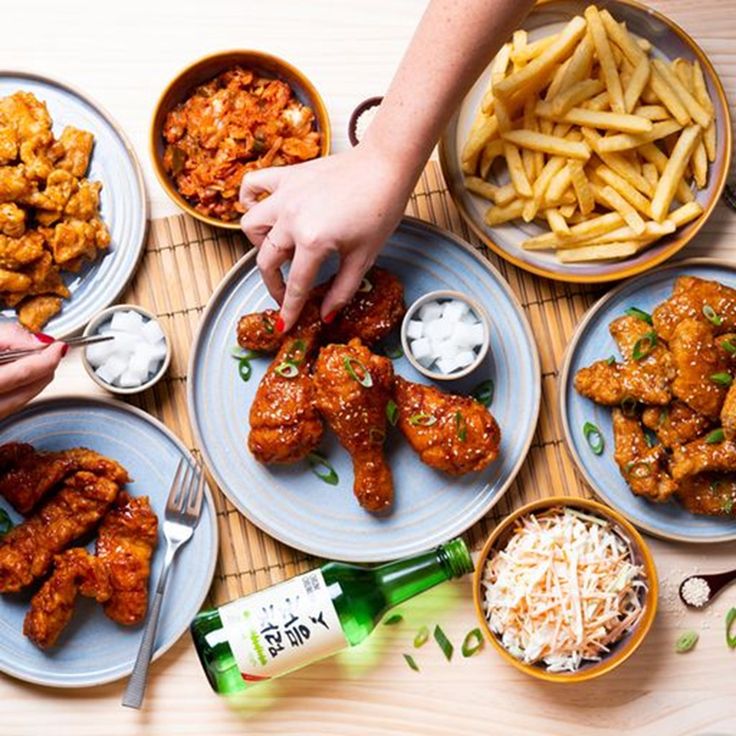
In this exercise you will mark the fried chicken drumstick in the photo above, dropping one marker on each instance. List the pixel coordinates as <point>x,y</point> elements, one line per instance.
<point>352,387</point>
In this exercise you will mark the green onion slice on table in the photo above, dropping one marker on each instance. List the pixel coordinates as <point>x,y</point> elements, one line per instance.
<point>644,345</point>
<point>443,643</point>
<point>472,643</point>
<point>316,461</point>
<point>394,619</point>
<point>483,392</point>
<point>730,618</point>
<point>421,638</point>
<point>422,420</point>
<point>594,438</point>
<point>640,314</point>
<point>711,316</point>
<point>686,641</point>
<point>358,372</point>
<point>392,412</point>
<point>410,661</point>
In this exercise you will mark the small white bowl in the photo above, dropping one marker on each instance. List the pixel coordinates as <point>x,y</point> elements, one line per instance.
<point>446,295</point>
<point>105,316</point>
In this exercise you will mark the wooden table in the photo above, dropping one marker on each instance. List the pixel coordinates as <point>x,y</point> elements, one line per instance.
<point>123,54</point>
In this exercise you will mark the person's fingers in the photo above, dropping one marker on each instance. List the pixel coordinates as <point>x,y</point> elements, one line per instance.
<point>302,273</point>
<point>276,250</point>
<point>36,367</point>
<point>258,220</point>
<point>257,183</point>
<point>16,399</point>
<point>13,336</point>
<point>346,283</point>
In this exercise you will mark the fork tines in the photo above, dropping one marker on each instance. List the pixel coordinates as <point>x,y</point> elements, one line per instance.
<point>187,490</point>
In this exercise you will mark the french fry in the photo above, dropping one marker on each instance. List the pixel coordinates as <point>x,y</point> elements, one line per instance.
<point>533,49</point>
<point>548,144</point>
<point>575,94</point>
<point>578,67</point>
<point>598,103</point>
<point>605,252</point>
<point>635,86</point>
<point>518,43</point>
<point>559,184</point>
<point>654,156</point>
<point>622,38</point>
<point>652,112</point>
<point>567,210</point>
<point>652,231</point>
<point>491,151</point>
<point>609,197</point>
<point>483,130</point>
<point>556,221</point>
<point>674,171</point>
<point>651,174</point>
<point>669,97</point>
<point>557,76</point>
<point>643,43</point>
<point>505,195</point>
<point>498,72</point>
<point>605,59</point>
<point>631,195</point>
<point>503,115</point>
<point>527,155</point>
<point>684,72</point>
<point>582,188</point>
<point>497,215</point>
<point>699,88</point>
<point>584,231</point>
<point>709,139</point>
<point>516,170</point>
<point>699,164</point>
<point>624,141</point>
<point>534,75</point>
<point>619,122</point>
<point>482,188</point>
<point>686,213</point>
<point>693,107</point>
<point>551,168</point>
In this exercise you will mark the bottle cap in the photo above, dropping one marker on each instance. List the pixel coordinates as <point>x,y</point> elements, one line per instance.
<point>456,556</point>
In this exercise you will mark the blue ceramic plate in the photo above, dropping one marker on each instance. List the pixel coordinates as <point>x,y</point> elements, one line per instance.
<point>94,650</point>
<point>593,342</point>
<point>293,505</point>
<point>123,204</point>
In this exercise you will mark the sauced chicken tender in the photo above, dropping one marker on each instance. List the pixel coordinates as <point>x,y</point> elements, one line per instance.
<point>233,124</point>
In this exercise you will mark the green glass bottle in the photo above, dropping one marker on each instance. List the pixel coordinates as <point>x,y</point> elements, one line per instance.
<point>289,625</point>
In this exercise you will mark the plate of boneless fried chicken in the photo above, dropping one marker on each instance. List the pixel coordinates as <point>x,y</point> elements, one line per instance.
<point>72,206</point>
<point>83,487</point>
<point>328,439</point>
<point>648,400</point>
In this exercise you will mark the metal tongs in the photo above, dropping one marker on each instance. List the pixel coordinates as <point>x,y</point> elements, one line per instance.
<point>10,356</point>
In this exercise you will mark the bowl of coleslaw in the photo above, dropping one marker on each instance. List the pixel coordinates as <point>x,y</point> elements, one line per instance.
<point>565,589</point>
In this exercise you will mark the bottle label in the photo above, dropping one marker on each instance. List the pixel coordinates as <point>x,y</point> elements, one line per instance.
<point>282,627</point>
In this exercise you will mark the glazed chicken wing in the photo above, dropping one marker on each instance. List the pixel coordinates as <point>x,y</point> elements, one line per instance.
<point>644,468</point>
<point>611,384</point>
<point>701,456</point>
<point>284,424</point>
<point>709,494</point>
<point>675,424</point>
<point>125,544</point>
<point>454,434</point>
<point>690,297</point>
<point>75,572</point>
<point>352,387</point>
<point>27,550</point>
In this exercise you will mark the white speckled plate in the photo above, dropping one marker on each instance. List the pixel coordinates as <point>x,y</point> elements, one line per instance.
<point>93,649</point>
<point>294,506</point>
<point>592,342</point>
<point>123,204</point>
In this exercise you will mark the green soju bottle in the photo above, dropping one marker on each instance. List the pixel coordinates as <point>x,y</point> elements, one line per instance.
<point>311,616</point>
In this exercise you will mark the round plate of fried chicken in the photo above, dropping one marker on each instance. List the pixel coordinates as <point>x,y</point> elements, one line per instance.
<point>329,440</point>
<point>648,400</point>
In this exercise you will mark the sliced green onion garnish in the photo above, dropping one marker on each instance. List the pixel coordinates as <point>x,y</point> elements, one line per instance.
<point>443,642</point>
<point>461,426</point>
<point>727,505</point>
<point>640,314</point>
<point>316,461</point>
<point>714,485</point>
<point>422,420</point>
<point>650,438</point>
<point>715,437</point>
<point>472,643</point>
<point>244,368</point>
<point>730,618</point>
<point>421,638</point>
<point>239,353</point>
<point>268,325</point>
<point>296,352</point>
<point>376,436</point>
<point>629,405</point>
<point>686,641</point>
<point>639,470</point>
<point>396,618</point>
<point>365,286</point>
<point>594,438</point>
<point>711,316</point>
<point>729,346</point>
<point>644,345</point>
<point>483,392</point>
<point>394,352</point>
<point>392,412</point>
<point>287,369</point>
<point>364,379</point>
<point>610,360</point>
<point>723,379</point>
<point>664,415</point>
<point>5,523</point>
<point>410,661</point>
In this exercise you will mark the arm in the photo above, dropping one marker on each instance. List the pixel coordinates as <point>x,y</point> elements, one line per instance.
<point>351,202</point>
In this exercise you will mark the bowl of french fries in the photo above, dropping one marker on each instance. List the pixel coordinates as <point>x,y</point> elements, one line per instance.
<point>594,146</point>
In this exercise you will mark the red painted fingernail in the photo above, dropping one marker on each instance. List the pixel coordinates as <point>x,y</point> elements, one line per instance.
<point>280,325</point>
<point>64,350</point>
<point>45,339</point>
<point>329,318</point>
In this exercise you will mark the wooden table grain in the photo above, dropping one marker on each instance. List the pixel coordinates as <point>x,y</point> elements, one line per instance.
<point>122,54</point>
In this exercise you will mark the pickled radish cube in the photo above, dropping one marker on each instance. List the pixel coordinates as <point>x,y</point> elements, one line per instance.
<point>438,329</point>
<point>464,335</point>
<point>454,310</point>
<point>127,321</point>
<point>130,378</point>
<point>421,348</point>
<point>465,358</point>
<point>446,350</point>
<point>447,365</point>
<point>98,353</point>
<point>152,331</point>
<point>430,311</point>
<point>144,360</point>
<point>124,342</point>
<point>478,334</point>
<point>158,350</point>
<point>415,329</point>
<point>112,369</point>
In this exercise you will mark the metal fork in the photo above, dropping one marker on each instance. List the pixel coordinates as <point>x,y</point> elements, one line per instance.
<point>183,508</point>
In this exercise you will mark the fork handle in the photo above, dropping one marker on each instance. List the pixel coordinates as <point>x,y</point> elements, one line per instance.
<point>136,687</point>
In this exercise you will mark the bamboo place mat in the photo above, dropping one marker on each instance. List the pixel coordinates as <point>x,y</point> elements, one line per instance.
<point>184,262</point>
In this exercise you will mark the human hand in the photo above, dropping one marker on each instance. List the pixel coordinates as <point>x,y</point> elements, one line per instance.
<point>348,203</point>
<point>25,378</point>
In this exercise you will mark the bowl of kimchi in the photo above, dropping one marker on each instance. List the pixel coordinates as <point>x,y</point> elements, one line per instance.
<point>225,115</point>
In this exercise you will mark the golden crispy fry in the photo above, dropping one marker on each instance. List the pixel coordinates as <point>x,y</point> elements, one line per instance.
<point>693,107</point>
<point>581,185</point>
<point>556,221</point>
<point>547,144</point>
<point>584,231</point>
<point>605,58</point>
<point>673,172</point>
<point>624,141</point>
<point>603,120</point>
<point>602,252</point>
<point>613,200</point>
<point>669,98</point>
<point>636,84</point>
<point>575,94</point>
<point>516,170</point>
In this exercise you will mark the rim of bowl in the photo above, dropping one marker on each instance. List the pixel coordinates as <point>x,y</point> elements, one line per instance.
<point>92,326</point>
<point>446,294</point>
<point>637,636</point>
<point>693,228</point>
<point>252,56</point>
